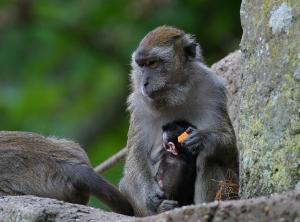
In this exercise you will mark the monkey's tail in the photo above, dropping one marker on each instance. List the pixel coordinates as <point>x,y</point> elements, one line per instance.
<point>86,177</point>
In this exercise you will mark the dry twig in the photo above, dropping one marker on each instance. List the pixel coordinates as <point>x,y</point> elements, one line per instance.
<point>111,161</point>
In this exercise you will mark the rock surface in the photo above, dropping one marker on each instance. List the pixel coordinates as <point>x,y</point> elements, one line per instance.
<point>269,115</point>
<point>276,208</point>
<point>263,82</point>
<point>35,209</point>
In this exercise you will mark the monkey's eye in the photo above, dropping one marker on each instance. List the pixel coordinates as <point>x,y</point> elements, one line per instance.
<point>152,64</point>
<point>141,62</point>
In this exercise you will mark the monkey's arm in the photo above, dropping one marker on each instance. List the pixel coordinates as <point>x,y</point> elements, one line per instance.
<point>215,139</point>
<point>138,184</point>
<point>218,141</point>
<point>216,161</point>
<point>140,187</point>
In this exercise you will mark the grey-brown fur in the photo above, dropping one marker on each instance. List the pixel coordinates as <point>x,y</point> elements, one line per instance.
<point>31,164</point>
<point>179,86</point>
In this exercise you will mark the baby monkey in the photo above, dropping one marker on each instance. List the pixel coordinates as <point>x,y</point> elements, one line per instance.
<point>177,170</point>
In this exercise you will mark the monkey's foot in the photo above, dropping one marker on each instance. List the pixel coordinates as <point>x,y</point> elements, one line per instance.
<point>167,205</point>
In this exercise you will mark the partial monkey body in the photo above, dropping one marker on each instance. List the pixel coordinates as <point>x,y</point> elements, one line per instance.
<point>31,164</point>
<point>169,81</point>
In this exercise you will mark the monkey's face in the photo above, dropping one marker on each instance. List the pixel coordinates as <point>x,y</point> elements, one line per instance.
<point>162,65</point>
<point>156,71</point>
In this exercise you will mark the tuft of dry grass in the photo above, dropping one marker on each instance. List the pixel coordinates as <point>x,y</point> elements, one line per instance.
<point>227,190</point>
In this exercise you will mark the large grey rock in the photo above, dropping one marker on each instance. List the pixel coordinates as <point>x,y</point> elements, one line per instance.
<point>263,82</point>
<point>268,122</point>
<point>34,209</point>
<point>276,208</point>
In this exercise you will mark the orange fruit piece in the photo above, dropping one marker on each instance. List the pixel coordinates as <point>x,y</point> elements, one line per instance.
<point>182,137</point>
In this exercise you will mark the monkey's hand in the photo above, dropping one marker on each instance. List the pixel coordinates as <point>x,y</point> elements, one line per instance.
<point>194,142</point>
<point>167,205</point>
<point>154,199</point>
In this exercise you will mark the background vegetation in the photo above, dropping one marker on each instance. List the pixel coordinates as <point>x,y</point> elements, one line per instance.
<point>64,64</point>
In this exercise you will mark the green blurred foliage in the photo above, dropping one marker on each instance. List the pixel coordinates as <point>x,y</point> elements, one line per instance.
<point>64,64</point>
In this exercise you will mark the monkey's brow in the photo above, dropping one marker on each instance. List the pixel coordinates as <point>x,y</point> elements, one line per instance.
<point>145,60</point>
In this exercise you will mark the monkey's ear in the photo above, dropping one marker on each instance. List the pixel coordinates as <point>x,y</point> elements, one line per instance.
<point>172,148</point>
<point>190,50</point>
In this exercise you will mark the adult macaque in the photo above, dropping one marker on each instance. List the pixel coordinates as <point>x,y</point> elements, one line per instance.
<point>176,173</point>
<point>31,164</point>
<point>169,82</point>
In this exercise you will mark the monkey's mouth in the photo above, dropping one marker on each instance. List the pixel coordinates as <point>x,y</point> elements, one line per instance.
<point>153,94</point>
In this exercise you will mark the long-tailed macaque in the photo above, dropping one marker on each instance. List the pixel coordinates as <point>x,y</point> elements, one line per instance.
<point>31,164</point>
<point>176,173</point>
<point>169,82</point>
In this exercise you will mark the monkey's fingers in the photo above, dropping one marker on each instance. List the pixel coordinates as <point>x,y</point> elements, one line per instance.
<point>192,139</point>
<point>167,205</point>
<point>190,130</point>
<point>154,200</point>
<point>193,144</point>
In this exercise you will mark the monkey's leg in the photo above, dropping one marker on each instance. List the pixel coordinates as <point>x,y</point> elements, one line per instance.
<point>145,196</point>
<point>206,185</point>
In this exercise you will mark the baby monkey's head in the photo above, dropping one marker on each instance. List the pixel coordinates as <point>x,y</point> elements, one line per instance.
<point>171,132</point>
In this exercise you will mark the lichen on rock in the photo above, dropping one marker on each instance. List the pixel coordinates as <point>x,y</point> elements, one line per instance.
<point>281,18</point>
<point>269,121</point>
